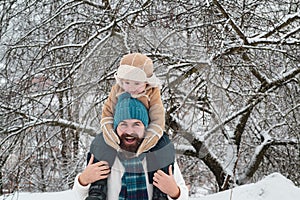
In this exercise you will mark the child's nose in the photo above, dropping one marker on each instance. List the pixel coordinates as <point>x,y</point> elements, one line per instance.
<point>132,88</point>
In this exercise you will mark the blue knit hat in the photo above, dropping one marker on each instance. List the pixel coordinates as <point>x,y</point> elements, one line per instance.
<point>130,108</point>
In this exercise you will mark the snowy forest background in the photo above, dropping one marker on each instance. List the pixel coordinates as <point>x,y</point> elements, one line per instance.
<point>229,68</point>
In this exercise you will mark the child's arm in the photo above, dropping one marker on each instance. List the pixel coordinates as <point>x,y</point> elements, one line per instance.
<point>157,122</point>
<point>107,119</point>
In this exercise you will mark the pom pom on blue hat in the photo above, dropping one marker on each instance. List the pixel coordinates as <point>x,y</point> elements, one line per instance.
<point>130,108</point>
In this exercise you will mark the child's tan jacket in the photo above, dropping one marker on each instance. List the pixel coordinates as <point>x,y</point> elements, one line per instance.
<point>151,98</point>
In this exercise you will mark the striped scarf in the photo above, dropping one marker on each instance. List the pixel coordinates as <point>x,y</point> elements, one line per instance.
<point>133,180</point>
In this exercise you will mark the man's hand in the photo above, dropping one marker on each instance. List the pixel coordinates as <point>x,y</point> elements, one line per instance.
<point>94,172</point>
<point>166,183</point>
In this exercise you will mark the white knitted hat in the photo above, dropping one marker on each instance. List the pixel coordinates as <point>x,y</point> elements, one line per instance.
<point>137,67</point>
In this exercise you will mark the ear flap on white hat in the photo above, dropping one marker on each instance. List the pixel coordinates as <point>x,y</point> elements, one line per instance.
<point>154,81</point>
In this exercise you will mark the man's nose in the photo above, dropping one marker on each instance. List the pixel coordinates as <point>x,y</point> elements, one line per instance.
<point>129,130</point>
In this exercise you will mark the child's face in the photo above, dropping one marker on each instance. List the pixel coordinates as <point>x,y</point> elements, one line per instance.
<point>133,87</point>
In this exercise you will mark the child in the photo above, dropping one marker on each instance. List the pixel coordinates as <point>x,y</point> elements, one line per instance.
<point>135,76</point>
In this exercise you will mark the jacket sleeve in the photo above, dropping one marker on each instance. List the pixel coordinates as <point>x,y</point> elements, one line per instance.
<point>156,113</point>
<point>184,192</point>
<point>110,103</point>
<point>107,119</point>
<point>81,192</point>
<point>156,126</point>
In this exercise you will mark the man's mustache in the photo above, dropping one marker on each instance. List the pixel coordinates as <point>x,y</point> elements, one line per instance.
<point>129,135</point>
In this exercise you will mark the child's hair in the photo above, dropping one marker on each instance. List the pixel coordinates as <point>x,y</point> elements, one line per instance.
<point>137,67</point>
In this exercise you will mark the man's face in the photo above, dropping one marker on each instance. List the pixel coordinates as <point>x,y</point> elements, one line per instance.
<point>131,133</point>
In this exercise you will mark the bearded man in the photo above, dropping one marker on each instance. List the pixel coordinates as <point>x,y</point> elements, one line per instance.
<point>124,174</point>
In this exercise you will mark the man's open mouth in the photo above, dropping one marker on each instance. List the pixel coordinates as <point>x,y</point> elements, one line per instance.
<point>130,139</point>
<point>130,142</point>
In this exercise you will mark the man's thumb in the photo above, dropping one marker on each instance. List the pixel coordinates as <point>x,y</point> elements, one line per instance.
<point>170,170</point>
<point>91,159</point>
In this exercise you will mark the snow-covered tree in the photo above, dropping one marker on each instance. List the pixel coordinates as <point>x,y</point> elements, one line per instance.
<point>230,73</point>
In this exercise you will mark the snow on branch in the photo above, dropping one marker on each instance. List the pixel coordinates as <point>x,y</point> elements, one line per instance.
<point>93,4</point>
<point>287,20</point>
<point>231,22</point>
<point>102,41</point>
<point>264,37</point>
<point>35,121</point>
<point>260,150</point>
<point>59,11</point>
<point>199,149</point>
<point>228,119</point>
<point>51,122</point>
<point>285,77</point>
<point>77,66</point>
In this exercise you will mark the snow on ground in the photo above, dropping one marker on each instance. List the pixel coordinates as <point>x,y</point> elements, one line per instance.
<point>272,187</point>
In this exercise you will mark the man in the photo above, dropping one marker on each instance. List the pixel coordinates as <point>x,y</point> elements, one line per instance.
<point>129,176</point>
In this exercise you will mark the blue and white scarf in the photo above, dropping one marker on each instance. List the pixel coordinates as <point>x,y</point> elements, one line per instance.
<point>133,180</point>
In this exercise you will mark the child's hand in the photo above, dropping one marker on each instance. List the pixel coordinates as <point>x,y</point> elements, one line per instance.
<point>110,136</point>
<point>149,141</point>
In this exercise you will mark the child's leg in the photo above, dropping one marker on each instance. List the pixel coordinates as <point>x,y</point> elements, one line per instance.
<point>101,151</point>
<point>160,157</point>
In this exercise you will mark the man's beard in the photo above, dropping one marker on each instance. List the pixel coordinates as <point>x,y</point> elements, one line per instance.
<point>130,147</point>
